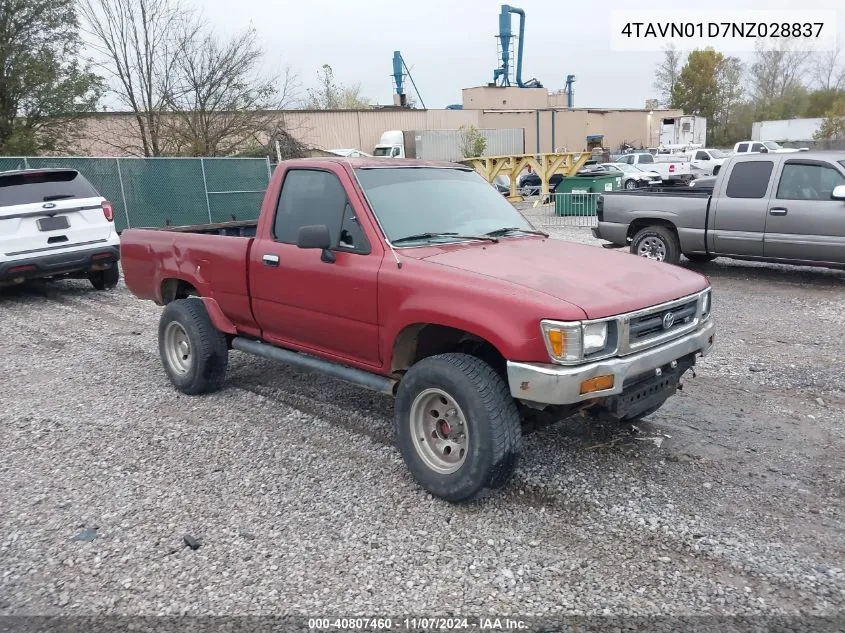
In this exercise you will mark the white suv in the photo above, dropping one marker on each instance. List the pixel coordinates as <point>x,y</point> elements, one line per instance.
<point>53,223</point>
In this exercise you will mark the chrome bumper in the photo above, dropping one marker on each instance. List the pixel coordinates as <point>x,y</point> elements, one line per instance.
<point>556,384</point>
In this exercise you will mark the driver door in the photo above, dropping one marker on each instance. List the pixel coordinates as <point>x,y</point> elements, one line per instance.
<point>304,299</point>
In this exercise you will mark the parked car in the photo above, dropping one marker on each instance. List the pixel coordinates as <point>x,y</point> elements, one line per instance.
<point>705,182</point>
<point>764,147</point>
<point>418,280</point>
<point>671,170</point>
<point>633,177</point>
<point>710,161</point>
<point>54,224</point>
<point>770,207</point>
<point>529,184</point>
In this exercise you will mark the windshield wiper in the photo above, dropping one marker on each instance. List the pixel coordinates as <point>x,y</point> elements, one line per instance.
<point>426,236</point>
<point>512,229</point>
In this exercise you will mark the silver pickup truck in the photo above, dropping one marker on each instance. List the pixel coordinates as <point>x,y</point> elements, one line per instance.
<point>786,208</point>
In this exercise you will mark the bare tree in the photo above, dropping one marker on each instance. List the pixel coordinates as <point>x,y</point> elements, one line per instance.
<point>828,69</point>
<point>777,72</point>
<point>328,95</point>
<point>136,44</point>
<point>666,74</point>
<point>216,102</point>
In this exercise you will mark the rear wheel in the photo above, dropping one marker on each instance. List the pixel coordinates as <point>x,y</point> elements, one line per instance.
<point>104,279</point>
<point>658,243</point>
<point>194,353</point>
<point>457,427</point>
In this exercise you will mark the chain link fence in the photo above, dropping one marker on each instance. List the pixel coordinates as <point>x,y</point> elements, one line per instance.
<point>569,209</point>
<point>154,192</point>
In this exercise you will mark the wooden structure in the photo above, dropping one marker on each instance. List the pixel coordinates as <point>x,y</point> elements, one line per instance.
<point>545,165</point>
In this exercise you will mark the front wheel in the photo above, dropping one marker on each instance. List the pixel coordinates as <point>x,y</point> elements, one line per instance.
<point>631,184</point>
<point>658,243</point>
<point>194,353</point>
<point>457,426</point>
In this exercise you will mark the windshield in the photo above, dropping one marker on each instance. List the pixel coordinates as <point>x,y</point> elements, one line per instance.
<point>37,186</point>
<point>771,145</point>
<point>620,167</point>
<point>416,200</point>
<point>717,153</point>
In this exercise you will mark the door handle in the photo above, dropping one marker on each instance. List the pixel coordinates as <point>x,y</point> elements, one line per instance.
<point>777,211</point>
<point>270,260</point>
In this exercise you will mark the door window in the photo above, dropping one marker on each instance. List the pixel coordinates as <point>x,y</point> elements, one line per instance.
<point>701,156</point>
<point>309,197</point>
<point>806,181</point>
<point>757,147</point>
<point>750,180</point>
<point>742,147</point>
<point>646,159</point>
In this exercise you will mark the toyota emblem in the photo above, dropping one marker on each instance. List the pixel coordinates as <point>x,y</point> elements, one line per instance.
<point>668,320</point>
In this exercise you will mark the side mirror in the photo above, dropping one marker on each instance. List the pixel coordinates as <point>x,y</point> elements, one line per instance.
<point>764,150</point>
<point>838,193</point>
<point>316,236</point>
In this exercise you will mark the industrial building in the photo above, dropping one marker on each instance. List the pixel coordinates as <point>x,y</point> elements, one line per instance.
<point>549,119</point>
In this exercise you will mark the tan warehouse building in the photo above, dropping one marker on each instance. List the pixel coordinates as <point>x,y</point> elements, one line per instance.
<point>547,124</point>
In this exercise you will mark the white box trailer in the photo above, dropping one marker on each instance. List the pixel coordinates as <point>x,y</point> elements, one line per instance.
<point>685,130</point>
<point>446,144</point>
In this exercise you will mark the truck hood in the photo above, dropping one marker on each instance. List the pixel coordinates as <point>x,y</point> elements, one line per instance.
<point>601,282</point>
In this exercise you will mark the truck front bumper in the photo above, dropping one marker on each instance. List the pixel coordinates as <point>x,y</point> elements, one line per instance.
<point>550,384</point>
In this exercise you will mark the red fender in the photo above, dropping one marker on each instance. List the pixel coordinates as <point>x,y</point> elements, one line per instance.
<point>220,320</point>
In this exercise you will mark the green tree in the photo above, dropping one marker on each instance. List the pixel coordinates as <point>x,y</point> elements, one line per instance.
<point>473,143</point>
<point>820,102</point>
<point>710,85</point>
<point>43,86</point>
<point>833,126</point>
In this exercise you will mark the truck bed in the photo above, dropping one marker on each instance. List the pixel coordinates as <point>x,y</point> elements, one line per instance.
<point>240,228</point>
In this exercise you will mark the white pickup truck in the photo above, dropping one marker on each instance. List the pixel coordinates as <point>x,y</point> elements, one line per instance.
<point>54,223</point>
<point>709,160</point>
<point>764,147</point>
<point>671,170</point>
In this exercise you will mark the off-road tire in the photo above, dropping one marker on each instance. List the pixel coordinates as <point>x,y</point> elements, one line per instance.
<point>105,279</point>
<point>209,353</point>
<point>665,235</point>
<point>700,258</point>
<point>494,438</point>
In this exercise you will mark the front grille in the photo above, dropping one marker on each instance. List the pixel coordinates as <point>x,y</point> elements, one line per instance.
<point>643,328</point>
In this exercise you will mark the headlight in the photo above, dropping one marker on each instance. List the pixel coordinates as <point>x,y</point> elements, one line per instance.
<point>573,342</point>
<point>705,305</point>
<point>595,337</point>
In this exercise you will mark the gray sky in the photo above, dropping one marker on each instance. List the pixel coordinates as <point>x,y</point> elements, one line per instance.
<point>450,45</point>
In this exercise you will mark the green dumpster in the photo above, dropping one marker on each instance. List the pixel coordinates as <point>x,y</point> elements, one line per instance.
<point>578,193</point>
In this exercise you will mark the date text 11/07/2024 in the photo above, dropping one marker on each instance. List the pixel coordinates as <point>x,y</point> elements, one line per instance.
<point>726,30</point>
<point>417,624</point>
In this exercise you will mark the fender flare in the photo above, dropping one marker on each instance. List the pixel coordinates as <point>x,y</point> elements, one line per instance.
<point>220,320</point>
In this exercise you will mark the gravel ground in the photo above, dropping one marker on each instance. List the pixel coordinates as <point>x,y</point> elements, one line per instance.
<point>729,500</point>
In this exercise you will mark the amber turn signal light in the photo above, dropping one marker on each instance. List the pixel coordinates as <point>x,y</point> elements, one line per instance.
<point>599,383</point>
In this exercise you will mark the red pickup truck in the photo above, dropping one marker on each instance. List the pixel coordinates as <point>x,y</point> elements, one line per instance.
<point>417,279</point>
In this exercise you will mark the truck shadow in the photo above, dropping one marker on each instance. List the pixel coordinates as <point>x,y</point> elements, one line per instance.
<point>737,270</point>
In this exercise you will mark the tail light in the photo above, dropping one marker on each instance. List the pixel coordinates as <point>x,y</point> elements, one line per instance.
<point>108,211</point>
<point>671,168</point>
